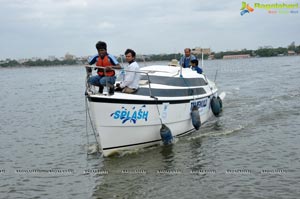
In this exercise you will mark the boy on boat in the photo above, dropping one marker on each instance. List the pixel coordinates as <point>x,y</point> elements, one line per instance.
<point>195,66</point>
<point>106,74</point>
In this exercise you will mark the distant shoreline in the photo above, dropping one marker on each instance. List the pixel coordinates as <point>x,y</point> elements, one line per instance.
<point>291,50</point>
<point>140,61</point>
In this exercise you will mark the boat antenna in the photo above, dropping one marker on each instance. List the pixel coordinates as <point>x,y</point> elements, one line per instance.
<point>216,74</point>
<point>144,59</point>
<point>180,75</point>
<point>202,62</point>
<point>121,58</point>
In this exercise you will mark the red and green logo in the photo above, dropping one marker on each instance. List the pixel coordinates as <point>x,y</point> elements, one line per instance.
<point>246,8</point>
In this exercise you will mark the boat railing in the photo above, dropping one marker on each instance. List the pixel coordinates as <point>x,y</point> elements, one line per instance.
<point>89,70</point>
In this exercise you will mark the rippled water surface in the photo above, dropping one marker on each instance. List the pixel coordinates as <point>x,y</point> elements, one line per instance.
<point>252,151</point>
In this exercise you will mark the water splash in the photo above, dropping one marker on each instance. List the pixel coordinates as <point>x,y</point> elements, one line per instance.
<point>138,151</point>
<point>217,134</point>
<point>92,149</point>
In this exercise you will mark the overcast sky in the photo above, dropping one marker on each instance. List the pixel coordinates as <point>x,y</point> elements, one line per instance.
<point>42,28</point>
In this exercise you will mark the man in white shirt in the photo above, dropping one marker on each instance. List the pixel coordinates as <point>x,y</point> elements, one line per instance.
<point>131,79</point>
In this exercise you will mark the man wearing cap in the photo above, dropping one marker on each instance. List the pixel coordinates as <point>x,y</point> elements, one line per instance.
<point>105,77</point>
<point>186,59</point>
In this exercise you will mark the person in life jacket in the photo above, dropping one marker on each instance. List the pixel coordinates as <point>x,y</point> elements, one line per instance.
<point>105,77</point>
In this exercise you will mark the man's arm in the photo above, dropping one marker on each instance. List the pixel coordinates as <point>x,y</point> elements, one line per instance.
<point>93,59</point>
<point>114,61</point>
<point>128,79</point>
<point>118,66</point>
<point>181,61</point>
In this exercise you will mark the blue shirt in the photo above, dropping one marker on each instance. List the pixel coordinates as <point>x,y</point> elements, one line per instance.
<point>198,69</point>
<point>185,62</point>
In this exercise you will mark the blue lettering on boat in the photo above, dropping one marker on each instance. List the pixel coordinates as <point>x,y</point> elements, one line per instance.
<point>200,103</point>
<point>132,115</point>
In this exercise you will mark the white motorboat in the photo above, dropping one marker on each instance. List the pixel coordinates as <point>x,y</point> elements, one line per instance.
<point>177,99</point>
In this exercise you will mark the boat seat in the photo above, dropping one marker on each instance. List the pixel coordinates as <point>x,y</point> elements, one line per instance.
<point>143,82</point>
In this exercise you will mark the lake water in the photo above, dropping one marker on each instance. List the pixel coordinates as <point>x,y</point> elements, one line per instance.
<point>252,151</point>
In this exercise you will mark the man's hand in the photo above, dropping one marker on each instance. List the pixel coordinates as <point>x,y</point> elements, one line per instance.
<point>108,68</point>
<point>88,69</point>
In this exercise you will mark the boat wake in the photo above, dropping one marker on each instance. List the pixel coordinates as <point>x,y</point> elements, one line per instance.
<point>217,134</point>
<point>136,151</point>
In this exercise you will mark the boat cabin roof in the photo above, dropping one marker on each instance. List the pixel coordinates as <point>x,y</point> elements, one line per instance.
<point>170,71</point>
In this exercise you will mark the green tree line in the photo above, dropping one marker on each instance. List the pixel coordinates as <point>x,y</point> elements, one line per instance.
<point>39,62</point>
<point>266,51</point>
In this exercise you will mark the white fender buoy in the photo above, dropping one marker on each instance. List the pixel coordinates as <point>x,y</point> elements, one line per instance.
<point>196,117</point>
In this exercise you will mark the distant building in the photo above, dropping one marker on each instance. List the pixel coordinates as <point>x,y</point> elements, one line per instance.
<point>291,52</point>
<point>51,58</point>
<point>210,57</point>
<point>22,61</point>
<point>68,56</point>
<point>243,56</point>
<point>34,58</point>
<point>198,51</point>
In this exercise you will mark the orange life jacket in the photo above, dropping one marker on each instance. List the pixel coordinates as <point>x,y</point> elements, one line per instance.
<point>104,63</point>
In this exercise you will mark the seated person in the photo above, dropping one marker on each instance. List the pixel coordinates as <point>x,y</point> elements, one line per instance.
<point>173,62</point>
<point>195,66</point>
<point>103,59</point>
<point>185,60</point>
<point>131,78</point>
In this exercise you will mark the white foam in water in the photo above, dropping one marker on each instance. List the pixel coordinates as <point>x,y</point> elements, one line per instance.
<point>93,149</point>
<point>215,134</point>
<point>122,153</point>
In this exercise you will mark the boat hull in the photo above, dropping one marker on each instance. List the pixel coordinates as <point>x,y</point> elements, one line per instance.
<point>136,124</point>
<point>166,95</point>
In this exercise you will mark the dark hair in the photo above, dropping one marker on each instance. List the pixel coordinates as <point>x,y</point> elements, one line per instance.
<point>195,61</point>
<point>188,49</point>
<point>101,45</point>
<point>130,51</point>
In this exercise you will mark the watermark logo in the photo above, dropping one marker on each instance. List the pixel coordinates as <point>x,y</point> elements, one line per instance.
<point>246,8</point>
<point>132,115</point>
<point>278,8</point>
<point>271,8</point>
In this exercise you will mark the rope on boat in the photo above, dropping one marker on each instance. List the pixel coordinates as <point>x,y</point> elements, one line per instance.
<point>88,116</point>
<point>215,102</point>
<point>86,125</point>
<point>156,100</point>
<point>165,132</point>
<point>195,115</point>
<point>216,74</point>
